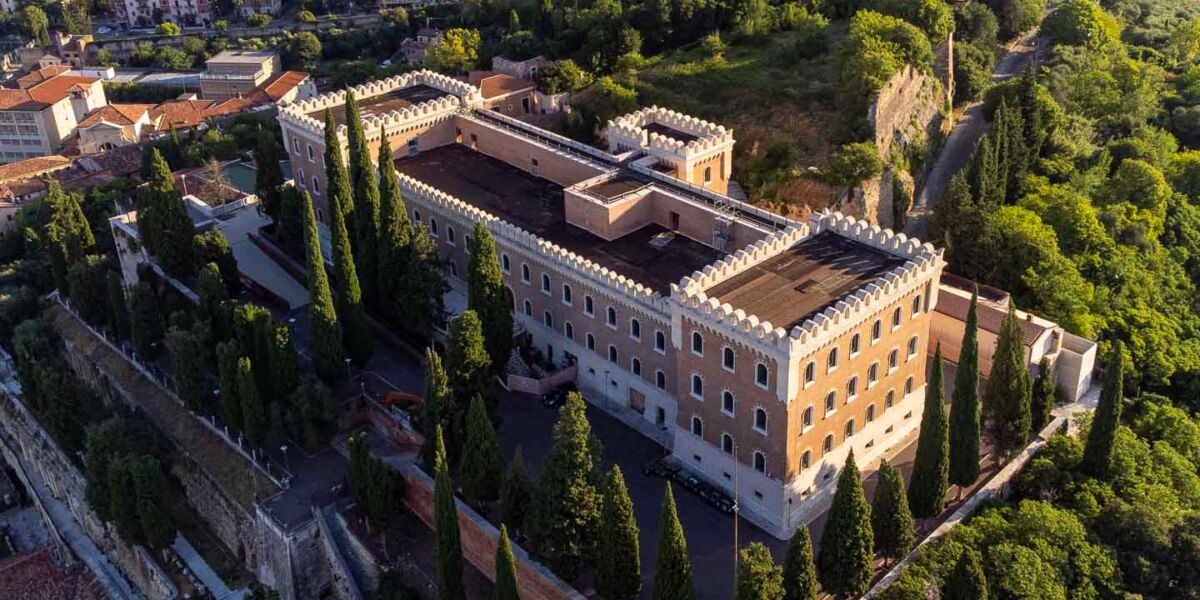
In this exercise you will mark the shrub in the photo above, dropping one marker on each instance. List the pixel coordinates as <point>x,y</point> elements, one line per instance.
<point>168,28</point>
<point>258,19</point>
<point>972,71</point>
<point>306,16</point>
<point>713,45</point>
<point>854,163</point>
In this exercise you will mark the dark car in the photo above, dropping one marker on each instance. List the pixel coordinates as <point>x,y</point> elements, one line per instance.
<point>661,468</point>
<point>556,397</point>
<point>722,501</point>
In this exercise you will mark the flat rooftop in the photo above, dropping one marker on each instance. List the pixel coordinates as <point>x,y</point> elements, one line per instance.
<point>385,103</point>
<point>810,276</point>
<point>618,186</point>
<point>671,132</point>
<point>652,255</point>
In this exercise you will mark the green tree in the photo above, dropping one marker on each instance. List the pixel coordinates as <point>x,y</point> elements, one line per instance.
<point>1101,439</point>
<point>437,395</point>
<point>927,490</point>
<point>268,175</point>
<point>515,495</point>
<point>106,442</point>
<point>482,467</point>
<point>146,325</point>
<point>35,24</point>
<point>672,567</point>
<point>467,360</point>
<point>228,355</point>
<point>799,572</point>
<point>966,581</point>
<point>447,542</point>
<point>188,354</point>
<point>854,163</point>
<point>891,521</point>
<point>847,544</point>
<point>67,233</point>
<point>488,298</point>
<point>358,338</point>
<point>964,405</point>
<point>506,569</point>
<point>326,331</point>
<point>567,503</point>
<point>122,504</point>
<point>168,29</point>
<point>290,225</point>
<point>212,292</point>
<point>88,289</point>
<point>456,53</point>
<point>212,247</point>
<point>254,418</point>
<point>758,577</point>
<point>618,567</point>
<point>156,526</point>
<point>1042,397</point>
<point>302,51</point>
<point>366,202</point>
<point>164,227</point>
<point>973,66</point>
<point>1007,399</point>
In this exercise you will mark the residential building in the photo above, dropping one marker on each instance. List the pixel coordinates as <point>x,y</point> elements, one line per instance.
<point>266,7</point>
<point>521,69</point>
<point>414,49</point>
<point>193,13</point>
<point>44,110</point>
<point>234,73</point>
<point>113,126</point>
<point>504,93</point>
<point>758,348</point>
<point>181,115</point>
<point>22,182</point>
<point>65,49</point>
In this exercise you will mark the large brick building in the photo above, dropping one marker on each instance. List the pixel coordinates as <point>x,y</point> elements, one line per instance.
<point>766,348</point>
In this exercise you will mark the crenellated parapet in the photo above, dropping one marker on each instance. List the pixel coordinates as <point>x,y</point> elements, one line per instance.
<point>631,130</point>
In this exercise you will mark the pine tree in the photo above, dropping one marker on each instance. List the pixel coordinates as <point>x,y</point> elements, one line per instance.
<point>118,312</point>
<point>966,581</point>
<point>227,367</point>
<point>268,176</point>
<point>568,504</point>
<point>337,180</point>
<point>366,203</point>
<point>1042,397</point>
<point>487,296</point>
<point>146,326</point>
<point>931,467</point>
<point>448,543</point>
<point>618,566</point>
<point>254,417</point>
<point>358,338</point>
<point>1007,400</point>
<point>326,331</point>
<point>758,577</point>
<point>467,360</point>
<point>1102,436</point>
<point>515,495</point>
<point>891,521</point>
<point>506,569</point>
<point>482,464</point>
<point>964,406</point>
<point>672,567</point>
<point>437,392</point>
<point>799,572</point>
<point>847,544</point>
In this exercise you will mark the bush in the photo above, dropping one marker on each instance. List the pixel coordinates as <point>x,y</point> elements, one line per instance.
<point>972,71</point>
<point>854,163</point>
<point>306,16</point>
<point>1082,23</point>
<point>168,28</point>
<point>258,19</point>
<point>221,25</point>
<point>712,45</point>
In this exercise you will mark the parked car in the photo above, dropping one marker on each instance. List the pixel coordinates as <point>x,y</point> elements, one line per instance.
<point>558,396</point>
<point>102,30</point>
<point>662,468</point>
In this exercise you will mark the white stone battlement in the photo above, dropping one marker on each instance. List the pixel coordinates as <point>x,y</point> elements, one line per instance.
<point>631,129</point>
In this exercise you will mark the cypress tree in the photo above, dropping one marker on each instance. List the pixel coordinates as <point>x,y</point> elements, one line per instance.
<point>964,405</point>
<point>482,465</point>
<point>191,372</point>
<point>467,360</point>
<point>567,503</point>
<point>1042,397</point>
<point>395,235</point>
<point>337,181</point>
<point>285,373</point>
<point>672,567</point>
<point>268,176</point>
<point>506,569</point>
<point>212,291</point>
<point>1102,436</point>
<point>891,521</point>
<point>1007,399</point>
<point>931,467</point>
<point>487,297</point>
<point>228,356</point>
<point>159,184</point>
<point>437,392</point>
<point>357,336</point>
<point>758,577</point>
<point>439,449</point>
<point>146,477</point>
<point>122,504</point>
<point>448,543</point>
<point>366,202</point>
<point>847,544</point>
<point>68,234</point>
<point>289,227</point>
<point>164,226</point>
<point>326,331</point>
<point>360,472</point>
<point>146,326</point>
<point>356,139</point>
<point>87,288</point>
<point>254,417</point>
<point>799,572</point>
<point>425,286</point>
<point>966,581</point>
<point>515,495</point>
<point>618,565</point>
<point>118,313</point>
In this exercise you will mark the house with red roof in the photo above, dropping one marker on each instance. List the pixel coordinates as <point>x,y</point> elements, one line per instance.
<point>42,109</point>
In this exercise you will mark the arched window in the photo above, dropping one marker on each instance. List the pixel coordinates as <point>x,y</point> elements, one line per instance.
<point>916,308</point>
<point>660,342</point>
<point>908,386</point>
<point>635,366</point>
<point>833,359</point>
<point>316,187</point>
<point>568,330</point>
<point>697,387</point>
<point>760,420</point>
<point>760,462</point>
<point>591,342</point>
<point>524,272</point>
<point>697,343</point>
<point>311,156</point>
<point>611,319</point>
<point>612,353</point>
<point>830,403</point>
<point>727,358</point>
<point>849,431</point>
<point>761,375</point>
<point>660,380</point>
<point>727,443</point>
<point>827,445</point>
<point>548,319</point>
<point>697,427</point>
<point>852,388</point>
<point>890,399</point>
<point>504,262</point>
<point>707,174</point>
<point>635,329</point>
<point>433,228</point>
<point>806,420</point>
<point>872,374</point>
<point>810,372</point>
<point>545,283</point>
<point>912,347</point>
<point>450,238</point>
<point>896,318</point>
<point>528,309</point>
<point>566,294</point>
<point>727,402</point>
<point>876,331</point>
<point>416,215</point>
<point>870,413</point>
<point>893,359</point>
<point>806,460</point>
<point>854,344</point>
<point>588,308</point>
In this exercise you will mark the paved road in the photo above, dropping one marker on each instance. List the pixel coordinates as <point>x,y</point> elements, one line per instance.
<point>961,142</point>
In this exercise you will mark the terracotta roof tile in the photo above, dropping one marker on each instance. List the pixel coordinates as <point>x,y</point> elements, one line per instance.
<point>180,113</point>
<point>279,85</point>
<point>492,85</point>
<point>990,317</point>
<point>117,114</point>
<point>31,167</point>
<point>56,88</point>
<point>18,100</point>
<point>34,576</point>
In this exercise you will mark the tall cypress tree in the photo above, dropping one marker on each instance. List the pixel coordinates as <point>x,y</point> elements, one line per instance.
<point>268,176</point>
<point>927,490</point>
<point>448,542</point>
<point>568,504</point>
<point>163,217</point>
<point>891,521</point>
<point>146,325</point>
<point>983,173</point>
<point>326,331</point>
<point>1007,399</point>
<point>847,544</point>
<point>758,577</point>
<point>1042,397</point>
<point>799,572</point>
<point>254,417</point>
<point>964,405</point>
<point>227,368</point>
<point>1102,436</point>
<point>395,235</point>
<point>515,496</point>
<point>487,296</point>
<point>337,181</point>
<point>68,234</point>
<point>366,201</point>
<point>118,311</point>
<point>618,565</point>
<point>191,373</point>
<point>358,338</point>
<point>482,464</point>
<point>672,567</point>
<point>437,392</point>
<point>506,569</point>
<point>467,360</point>
<point>966,581</point>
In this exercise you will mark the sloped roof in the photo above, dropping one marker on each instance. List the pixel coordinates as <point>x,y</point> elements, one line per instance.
<point>39,75</point>
<point>493,85</point>
<point>279,85</point>
<point>117,114</point>
<point>31,167</point>
<point>180,113</point>
<point>56,88</point>
<point>34,576</point>
<point>18,100</point>
<point>990,317</point>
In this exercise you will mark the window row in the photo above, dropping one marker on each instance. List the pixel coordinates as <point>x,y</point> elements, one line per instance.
<point>729,360</point>
<point>758,459</point>
<point>893,361</point>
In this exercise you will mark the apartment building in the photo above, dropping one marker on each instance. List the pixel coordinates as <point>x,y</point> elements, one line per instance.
<point>234,73</point>
<point>765,347</point>
<point>43,110</point>
<point>141,13</point>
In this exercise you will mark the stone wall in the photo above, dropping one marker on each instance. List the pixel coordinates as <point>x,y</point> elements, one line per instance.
<point>906,110</point>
